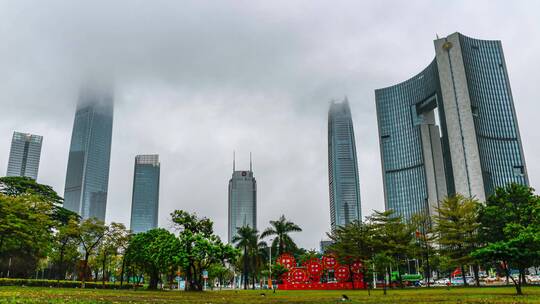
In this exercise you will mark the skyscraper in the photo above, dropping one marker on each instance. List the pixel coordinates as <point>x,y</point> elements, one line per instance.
<point>87,175</point>
<point>242,200</point>
<point>450,129</point>
<point>24,155</point>
<point>344,185</point>
<point>145,200</point>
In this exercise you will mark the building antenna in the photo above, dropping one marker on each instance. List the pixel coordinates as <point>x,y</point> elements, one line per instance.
<point>250,163</point>
<point>233,160</point>
<point>437,35</point>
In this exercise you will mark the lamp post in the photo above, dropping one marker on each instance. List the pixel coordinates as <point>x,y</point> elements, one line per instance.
<point>270,261</point>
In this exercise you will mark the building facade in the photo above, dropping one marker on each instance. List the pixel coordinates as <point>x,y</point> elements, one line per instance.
<point>87,176</point>
<point>242,201</point>
<point>450,129</point>
<point>145,199</point>
<point>24,155</point>
<point>344,185</point>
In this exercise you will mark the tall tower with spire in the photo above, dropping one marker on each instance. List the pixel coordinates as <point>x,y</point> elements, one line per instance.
<point>242,199</point>
<point>87,177</point>
<point>344,185</point>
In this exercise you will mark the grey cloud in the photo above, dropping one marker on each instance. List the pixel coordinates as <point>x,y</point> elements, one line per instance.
<point>195,80</point>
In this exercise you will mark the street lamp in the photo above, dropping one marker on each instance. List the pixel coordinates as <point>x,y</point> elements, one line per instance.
<point>270,260</point>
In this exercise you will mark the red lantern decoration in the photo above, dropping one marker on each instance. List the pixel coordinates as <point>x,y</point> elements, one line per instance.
<point>299,275</point>
<point>329,261</point>
<point>287,260</point>
<point>314,268</point>
<point>342,273</point>
<point>356,267</point>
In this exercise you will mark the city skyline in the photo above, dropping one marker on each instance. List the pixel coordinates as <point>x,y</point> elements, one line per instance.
<point>259,76</point>
<point>450,129</point>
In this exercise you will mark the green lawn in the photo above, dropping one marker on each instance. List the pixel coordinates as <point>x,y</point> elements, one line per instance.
<point>454,295</point>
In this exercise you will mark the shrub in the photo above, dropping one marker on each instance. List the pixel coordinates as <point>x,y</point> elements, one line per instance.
<point>61,283</point>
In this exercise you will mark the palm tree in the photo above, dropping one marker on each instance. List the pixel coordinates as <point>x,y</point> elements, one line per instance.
<point>257,250</point>
<point>281,229</point>
<point>244,239</point>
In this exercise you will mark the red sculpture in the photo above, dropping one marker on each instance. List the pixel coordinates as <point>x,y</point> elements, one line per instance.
<point>310,275</point>
<point>286,260</point>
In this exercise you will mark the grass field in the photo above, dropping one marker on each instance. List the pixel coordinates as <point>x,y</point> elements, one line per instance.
<point>433,295</point>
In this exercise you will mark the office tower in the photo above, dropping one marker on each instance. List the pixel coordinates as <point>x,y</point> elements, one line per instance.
<point>87,175</point>
<point>145,200</point>
<point>450,129</point>
<point>242,200</point>
<point>24,155</point>
<point>342,166</point>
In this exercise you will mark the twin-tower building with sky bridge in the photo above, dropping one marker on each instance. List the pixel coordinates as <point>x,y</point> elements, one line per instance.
<point>451,129</point>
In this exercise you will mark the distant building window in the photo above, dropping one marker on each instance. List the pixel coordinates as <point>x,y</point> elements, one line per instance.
<point>475,47</point>
<point>519,171</point>
<point>474,110</point>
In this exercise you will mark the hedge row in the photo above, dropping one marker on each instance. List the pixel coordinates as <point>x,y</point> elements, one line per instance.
<point>61,283</point>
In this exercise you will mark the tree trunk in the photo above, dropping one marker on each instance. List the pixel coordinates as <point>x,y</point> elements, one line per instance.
<point>60,264</point>
<point>517,283</point>
<point>463,275</point>
<point>122,271</point>
<point>245,268</point>
<point>476,275</point>
<point>103,265</point>
<point>400,279</point>
<point>387,277</point>
<point>522,276</point>
<point>154,276</point>
<point>85,265</point>
<point>428,268</point>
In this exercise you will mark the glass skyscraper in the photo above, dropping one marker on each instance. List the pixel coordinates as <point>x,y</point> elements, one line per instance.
<point>242,201</point>
<point>87,175</point>
<point>344,186</point>
<point>24,155</point>
<point>450,129</point>
<point>145,200</point>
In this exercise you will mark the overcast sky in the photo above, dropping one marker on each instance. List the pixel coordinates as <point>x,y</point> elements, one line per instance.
<point>195,80</point>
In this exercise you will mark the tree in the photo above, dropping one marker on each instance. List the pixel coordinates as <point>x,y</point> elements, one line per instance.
<point>199,247</point>
<point>456,226</point>
<point>114,239</point>
<point>244,239</point>
<point>91,233</point>
<point>155,251</point>
<point>308,255</point>
<point>382,263</point>
<point>424,243</point>
<point>353,242</point>
<point>510,224</point>
<point>19,185</point>
<point>26,232</point>
<point>281,229</point>
<point>66,241</point>
<point>391,237</point>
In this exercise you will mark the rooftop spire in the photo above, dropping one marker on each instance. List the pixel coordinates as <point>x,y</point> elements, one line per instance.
<point>250,163</point>
<point>233,160</point>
